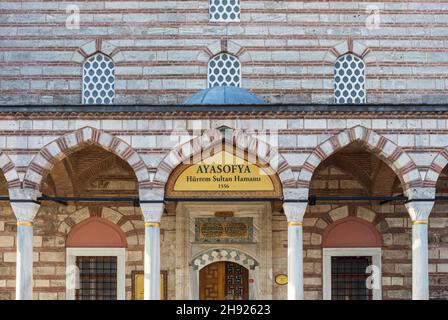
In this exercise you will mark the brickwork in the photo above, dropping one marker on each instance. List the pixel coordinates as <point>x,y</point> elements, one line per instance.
<point>161,49</point>
<point>51,228</point>
<point>339,155</point>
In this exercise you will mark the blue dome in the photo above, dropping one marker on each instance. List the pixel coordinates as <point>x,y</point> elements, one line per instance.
<point>224,95</point>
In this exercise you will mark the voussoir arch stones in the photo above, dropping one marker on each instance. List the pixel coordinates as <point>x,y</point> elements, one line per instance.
<point>224,254</point>
<point>60,148</point>
<point>393,155</point>
<point>211,138</point>
<point>435,169</point>
<point>9,171</point>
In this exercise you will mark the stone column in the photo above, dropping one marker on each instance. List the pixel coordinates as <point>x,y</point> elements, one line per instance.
<point>25,207</point>
<point>152,213</point>
<point>294,212</point>
<point>419,212</point>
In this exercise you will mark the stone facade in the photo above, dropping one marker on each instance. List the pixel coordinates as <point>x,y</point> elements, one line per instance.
<point>161,49</point>
<point>386,149</point>
<point>160,52</point>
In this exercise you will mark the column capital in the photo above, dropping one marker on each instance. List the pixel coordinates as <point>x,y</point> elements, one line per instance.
<point>152,212</point>
<point>419,210</point>
<point>24,204</point>
<point>295,211</point>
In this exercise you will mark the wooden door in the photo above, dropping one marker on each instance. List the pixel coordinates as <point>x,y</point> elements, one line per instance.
<point>211,282</point>
<point>224,281</point>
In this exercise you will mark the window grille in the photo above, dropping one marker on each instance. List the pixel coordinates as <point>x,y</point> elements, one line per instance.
<point>224,70</point>
<point>98,278</point>
<point>98,80</point>
<point>349,278</point>
<point>349,80</point>
<point>224,10</point>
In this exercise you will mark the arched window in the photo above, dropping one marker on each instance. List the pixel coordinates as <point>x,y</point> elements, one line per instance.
<point>98,80</point>
<point>351,254</point>
<point>349,80</point>
<point>224,70</point>
<point>96,251</point>
<point>224,10</point>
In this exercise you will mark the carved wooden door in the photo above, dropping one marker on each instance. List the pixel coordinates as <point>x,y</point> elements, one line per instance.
<point>211,281</point>
<point>237,283</point>
<point>223,281</point>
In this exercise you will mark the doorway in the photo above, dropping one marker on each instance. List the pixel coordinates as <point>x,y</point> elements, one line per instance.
<point>224,281</point>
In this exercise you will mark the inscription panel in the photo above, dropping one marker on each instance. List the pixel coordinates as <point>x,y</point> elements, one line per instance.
<point>224,230</point>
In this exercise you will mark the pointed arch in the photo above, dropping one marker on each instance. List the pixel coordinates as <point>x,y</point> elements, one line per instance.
<point>214,137</point>
<point>386,150</point>
<point>60,148</point>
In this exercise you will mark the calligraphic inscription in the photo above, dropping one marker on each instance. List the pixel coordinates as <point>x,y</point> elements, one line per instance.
<point>224,230</point>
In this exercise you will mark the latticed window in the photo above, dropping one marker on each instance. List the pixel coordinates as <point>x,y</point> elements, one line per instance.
<point>224,10</point>
<point>224,70</point>
<point>349,278</point>
<point>349,80</point>
<point>98,277</point>
<point>98,80</point>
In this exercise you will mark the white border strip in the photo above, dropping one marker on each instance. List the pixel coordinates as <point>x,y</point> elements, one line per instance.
<point>72,253</point>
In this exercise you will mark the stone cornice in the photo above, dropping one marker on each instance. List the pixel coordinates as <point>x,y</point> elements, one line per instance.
<point>223,111</point>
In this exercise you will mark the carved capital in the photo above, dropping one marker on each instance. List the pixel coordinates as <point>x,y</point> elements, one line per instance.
<point>152,212</point>
<point>419,210</point>
<point>24,204</point>
<point>295,211</point>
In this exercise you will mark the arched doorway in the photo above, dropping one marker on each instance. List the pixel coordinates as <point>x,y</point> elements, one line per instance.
<point>223,199</point>
<point>224,280</point>
<point>225,274</point>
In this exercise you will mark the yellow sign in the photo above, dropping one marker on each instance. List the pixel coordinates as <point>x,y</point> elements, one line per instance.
<point>138,285</point>
<point>281,279</point>
<point>224,171</point>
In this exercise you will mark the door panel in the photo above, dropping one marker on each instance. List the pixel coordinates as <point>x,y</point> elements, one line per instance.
<point>236,282</point>
<point>224,281</point>
<point>211,282</point>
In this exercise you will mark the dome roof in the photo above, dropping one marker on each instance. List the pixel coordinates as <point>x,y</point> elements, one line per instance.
<point>224,95</point>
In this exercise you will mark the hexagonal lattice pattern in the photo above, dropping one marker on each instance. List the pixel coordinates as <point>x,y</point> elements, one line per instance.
<point>98,80</point>
<point>224,70</point>
<point>224,10</point>
<point>349,80</point>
